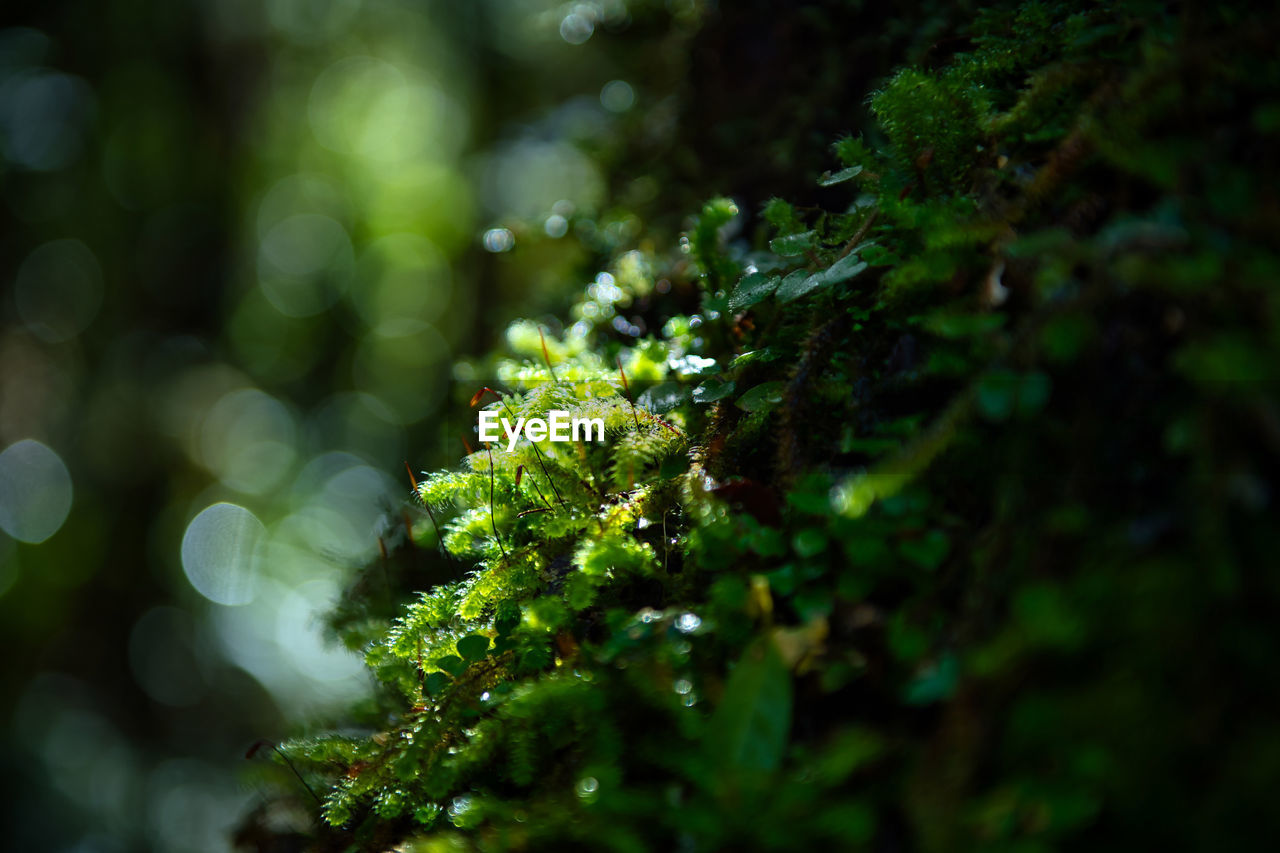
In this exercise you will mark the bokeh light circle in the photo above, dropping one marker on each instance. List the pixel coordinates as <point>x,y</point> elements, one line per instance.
<point>405,365</point>
<point>617,96</point>
<point>402,276</point>
<point>35,491</point>
<point>163,657</point>
<point>219,552</point>
<point>303,264</point>
<point>43,116</point>
<point>248,439</point>
<point>384,114</point>
<point>312,21</point>
<point>58,290</point>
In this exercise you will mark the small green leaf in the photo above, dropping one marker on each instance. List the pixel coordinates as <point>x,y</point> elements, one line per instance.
<point>801,287</point>
<point>879,256</point>
<point>473,647</point>
<point>435,683</point>
<point>662,397</point>
<point>760,355</point>
<point>794,244</point>
<point>762,398</point>
<point>829,180</point>
<point>781,216</point>
<point>844,269</point>
<point>752,289</point>
<point>796,284</point>
<point>712,390</point>
<point>452,664</point>
<point>750,727</point>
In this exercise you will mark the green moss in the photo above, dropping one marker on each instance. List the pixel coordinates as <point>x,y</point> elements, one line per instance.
<point>903,555</point>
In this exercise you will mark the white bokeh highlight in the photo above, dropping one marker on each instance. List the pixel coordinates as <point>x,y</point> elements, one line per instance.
<point>219,553</point>
<point>35,491</point>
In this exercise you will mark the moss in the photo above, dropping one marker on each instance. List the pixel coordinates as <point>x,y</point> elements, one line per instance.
<point>949,530</point>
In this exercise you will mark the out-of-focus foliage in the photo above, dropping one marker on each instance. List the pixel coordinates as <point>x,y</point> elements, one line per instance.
<point>241,247</point>
<point>944,519</point>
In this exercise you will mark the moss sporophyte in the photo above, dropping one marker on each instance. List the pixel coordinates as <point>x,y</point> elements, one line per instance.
<point>557,426</point>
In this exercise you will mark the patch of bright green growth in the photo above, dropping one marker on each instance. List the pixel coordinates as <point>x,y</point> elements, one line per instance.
<point>889,554</point>
<point>933,125</point>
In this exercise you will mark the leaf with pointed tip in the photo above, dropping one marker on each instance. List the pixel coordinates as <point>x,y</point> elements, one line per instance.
<point>662,397</point>
<point>751,289</point>
<point>452,664</point>
<point>794,279</point>
<point>829,180</point>
<point>712,390</point>
<point>844,269</point>
<point>762,397</point>
<point>879,256</point>
<point>793,288</point>
<point>750,727</point>
<point>760,355</point>
<point>794,244</point>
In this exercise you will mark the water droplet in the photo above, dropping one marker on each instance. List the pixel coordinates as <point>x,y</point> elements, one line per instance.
<point>688,623</point>
<point>499,240</point>
<point>556,226</point>
<point>683,686</point>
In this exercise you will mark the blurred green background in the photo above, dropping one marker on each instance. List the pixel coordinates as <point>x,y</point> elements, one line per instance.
<point>243,244</point>
<point>246,248</point>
